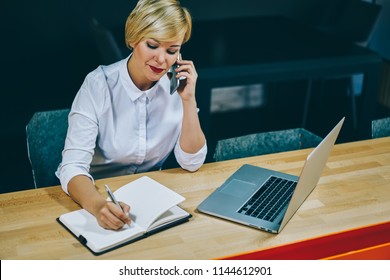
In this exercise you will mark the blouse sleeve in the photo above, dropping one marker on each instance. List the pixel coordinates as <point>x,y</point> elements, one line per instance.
<point>190,162</point>
<point>82,132</point>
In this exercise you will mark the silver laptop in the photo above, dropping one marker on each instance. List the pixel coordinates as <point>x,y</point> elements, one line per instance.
<point>267,199</point>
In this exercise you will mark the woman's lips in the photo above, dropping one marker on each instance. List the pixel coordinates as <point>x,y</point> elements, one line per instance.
<point>155,69</point>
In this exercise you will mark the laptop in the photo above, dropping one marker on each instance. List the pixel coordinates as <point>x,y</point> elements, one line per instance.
<point>267,199</point>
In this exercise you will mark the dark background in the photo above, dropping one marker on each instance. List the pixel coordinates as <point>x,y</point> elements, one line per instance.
<point>47,50</point>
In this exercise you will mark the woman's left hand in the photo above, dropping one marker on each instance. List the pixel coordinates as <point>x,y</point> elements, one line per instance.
<point>187,86</point>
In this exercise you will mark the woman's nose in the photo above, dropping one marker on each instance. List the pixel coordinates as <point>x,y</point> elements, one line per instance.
<point>160,57</point>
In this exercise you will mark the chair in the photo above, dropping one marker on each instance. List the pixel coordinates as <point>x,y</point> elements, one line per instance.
<point>354,23</point>
<point>265,143</point>
<point>46,133</point>
<point>380,127</point>
<point>106,43</point>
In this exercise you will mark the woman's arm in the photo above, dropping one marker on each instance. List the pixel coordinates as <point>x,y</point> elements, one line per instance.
<point>79,149</point>
<point>192,138</point>
<point>108,215</point>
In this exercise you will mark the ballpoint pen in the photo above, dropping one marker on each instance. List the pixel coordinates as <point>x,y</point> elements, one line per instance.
<point>111,195</point>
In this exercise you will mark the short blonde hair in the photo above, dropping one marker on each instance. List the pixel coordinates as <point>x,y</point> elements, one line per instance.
<point>163,20</point>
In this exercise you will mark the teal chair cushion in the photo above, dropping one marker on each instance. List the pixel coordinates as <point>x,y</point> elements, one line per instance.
<point>46,133</point>
<point>381,128</point>
<point>265,143</point>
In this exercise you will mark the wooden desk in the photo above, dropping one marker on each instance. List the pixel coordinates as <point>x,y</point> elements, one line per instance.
<point>354,191</point>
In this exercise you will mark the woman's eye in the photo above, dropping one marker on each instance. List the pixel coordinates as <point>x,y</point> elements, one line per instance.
<point>171,52</point>
<point>153,47</point>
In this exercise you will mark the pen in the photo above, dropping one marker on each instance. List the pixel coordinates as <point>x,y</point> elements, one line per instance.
<point>111,195</point>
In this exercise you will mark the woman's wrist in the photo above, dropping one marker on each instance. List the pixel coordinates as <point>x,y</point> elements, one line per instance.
<point>189,103</point>
<point>96,205</point>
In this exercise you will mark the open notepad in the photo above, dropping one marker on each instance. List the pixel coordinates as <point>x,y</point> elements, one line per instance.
<point>153,208</point>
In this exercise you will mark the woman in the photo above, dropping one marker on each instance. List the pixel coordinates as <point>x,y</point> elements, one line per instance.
<point>124,119</point>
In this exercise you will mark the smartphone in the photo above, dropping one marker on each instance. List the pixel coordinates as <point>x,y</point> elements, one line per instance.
<point>175,82</point>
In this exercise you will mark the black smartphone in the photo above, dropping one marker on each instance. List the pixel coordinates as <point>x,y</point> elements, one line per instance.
<point>175,82</point>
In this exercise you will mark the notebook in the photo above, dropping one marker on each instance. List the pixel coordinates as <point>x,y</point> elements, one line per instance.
<point>154,208</point>
<point>267,199</point>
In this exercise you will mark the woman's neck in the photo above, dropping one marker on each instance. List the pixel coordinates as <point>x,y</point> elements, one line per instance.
<point>139,82</point>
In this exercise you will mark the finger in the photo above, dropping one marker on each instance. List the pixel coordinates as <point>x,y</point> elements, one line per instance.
<point>187,78</point>
<point>109,221</point>
<point>183,69</point>
<point>116,216</point>
<point>125,207</point>
<point>126,213</point>
<point>109,224</point>
<point>184,63</point>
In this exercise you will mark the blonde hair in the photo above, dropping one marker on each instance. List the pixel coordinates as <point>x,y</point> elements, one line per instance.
<point>163,20</point>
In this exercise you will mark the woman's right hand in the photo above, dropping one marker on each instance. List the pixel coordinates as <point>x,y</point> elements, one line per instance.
<point>110,216</point>
<point>107,213</point>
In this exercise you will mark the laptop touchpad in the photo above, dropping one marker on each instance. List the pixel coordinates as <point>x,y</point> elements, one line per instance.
<point>238,188</point>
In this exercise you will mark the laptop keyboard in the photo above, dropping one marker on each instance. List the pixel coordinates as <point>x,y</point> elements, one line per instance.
<point>270,199</point>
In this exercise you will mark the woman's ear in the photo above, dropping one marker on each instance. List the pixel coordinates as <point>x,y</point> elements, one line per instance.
<point>130,46</point>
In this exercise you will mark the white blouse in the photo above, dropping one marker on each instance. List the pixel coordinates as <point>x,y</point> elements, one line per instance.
<point>117,129</point>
